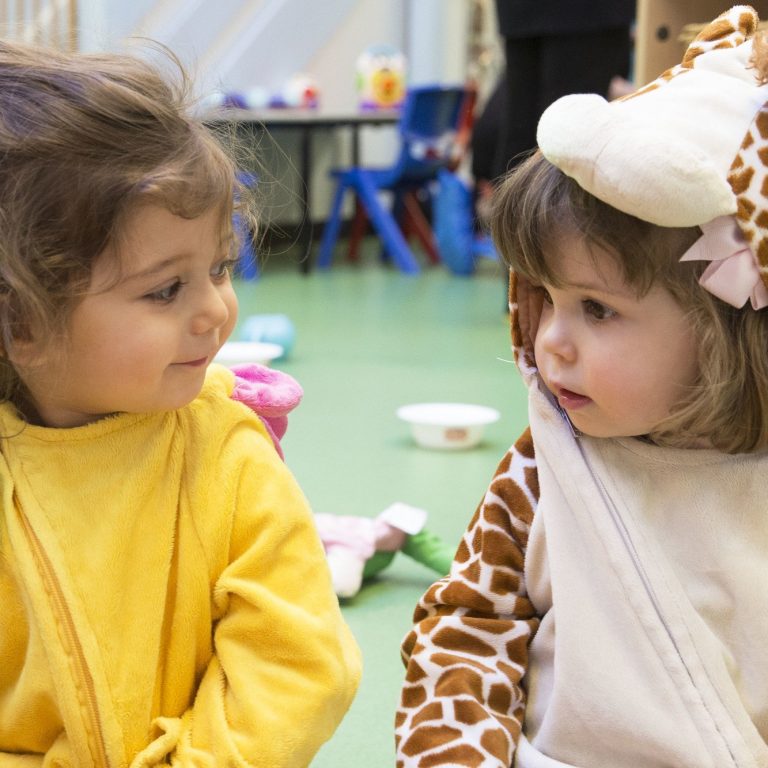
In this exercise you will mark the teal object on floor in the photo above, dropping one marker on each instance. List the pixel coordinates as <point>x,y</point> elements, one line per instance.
<point>272,329</point>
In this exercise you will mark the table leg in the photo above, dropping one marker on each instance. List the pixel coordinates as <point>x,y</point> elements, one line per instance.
<point>306,197</point>
<point>355,145</point>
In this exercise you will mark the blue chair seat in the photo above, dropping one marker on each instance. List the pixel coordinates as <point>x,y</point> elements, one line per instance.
<point>428,128</point>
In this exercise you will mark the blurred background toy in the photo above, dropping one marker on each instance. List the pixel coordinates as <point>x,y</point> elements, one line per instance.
<point>300,92</point>
<point>220,99</point>
<point>381,77</point>
<point>358,548</point>
<point>256,97</point>
<point>270,328</point>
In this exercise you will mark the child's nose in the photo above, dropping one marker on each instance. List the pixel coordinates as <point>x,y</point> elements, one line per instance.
<point>212,312</point>
<point>554,337</point>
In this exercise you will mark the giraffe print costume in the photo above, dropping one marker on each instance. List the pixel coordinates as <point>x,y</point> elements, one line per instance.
<point>482,689</point>
<point>462,703</point>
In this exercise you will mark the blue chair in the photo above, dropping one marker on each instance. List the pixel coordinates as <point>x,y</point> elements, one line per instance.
<point>459,242</point>
<point>428,128</point>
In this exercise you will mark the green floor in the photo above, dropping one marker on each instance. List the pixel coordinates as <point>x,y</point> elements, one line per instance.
<point>368,340</point>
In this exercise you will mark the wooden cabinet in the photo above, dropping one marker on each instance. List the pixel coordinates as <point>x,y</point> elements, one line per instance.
<point>660,24</point>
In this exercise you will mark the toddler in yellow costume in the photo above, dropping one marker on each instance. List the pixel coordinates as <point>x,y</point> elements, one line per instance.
<point>165,597</point>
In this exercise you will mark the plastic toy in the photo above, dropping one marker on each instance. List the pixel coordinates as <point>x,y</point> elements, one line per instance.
<point>256,98</point>
<point>358,548</point>
<point>300,92</point>
<point>271,394</point>
<point>381,77</point>
<point>274,329</point>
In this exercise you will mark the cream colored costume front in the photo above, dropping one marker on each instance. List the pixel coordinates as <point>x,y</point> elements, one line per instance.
<point>165,597</point>
<point>644,564</point>
<point>607,606</point>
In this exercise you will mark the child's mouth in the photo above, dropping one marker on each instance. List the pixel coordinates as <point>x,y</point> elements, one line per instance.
<point>571,400</point>
<point>194,363</point>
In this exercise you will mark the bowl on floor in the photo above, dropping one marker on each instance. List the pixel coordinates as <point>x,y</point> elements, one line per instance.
<point>447,426</point>
<point>234,352</point>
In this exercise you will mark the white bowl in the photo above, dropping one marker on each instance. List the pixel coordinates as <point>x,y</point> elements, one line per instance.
<point>233,352</point>
<point>447,426</point>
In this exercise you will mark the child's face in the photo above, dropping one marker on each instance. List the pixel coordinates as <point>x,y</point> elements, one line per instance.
<point>617,364</point>
<point>143,343</point>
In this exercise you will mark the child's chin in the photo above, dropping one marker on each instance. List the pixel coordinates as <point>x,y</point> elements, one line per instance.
<point>180,400</point>
<point>591,429</point>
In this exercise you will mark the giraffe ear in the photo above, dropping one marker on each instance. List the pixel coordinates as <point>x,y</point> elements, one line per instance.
<point>730,29</point>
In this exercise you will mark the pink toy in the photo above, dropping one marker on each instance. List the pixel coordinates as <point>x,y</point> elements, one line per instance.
<point>271,394</point>
<point>360,547</point>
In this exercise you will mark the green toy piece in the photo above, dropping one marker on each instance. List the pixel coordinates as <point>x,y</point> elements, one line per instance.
<point>359,548</point>
<point>424,547</point>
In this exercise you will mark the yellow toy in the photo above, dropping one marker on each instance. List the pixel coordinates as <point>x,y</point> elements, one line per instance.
<point>381,77</point>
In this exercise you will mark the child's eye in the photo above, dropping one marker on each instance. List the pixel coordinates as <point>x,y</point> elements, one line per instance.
<point>166,294</point>
<point>544,293</point>
<point>223,269</point>
<point>597,310</point>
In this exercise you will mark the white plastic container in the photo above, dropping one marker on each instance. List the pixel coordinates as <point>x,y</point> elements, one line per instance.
<point>447,426</point>
<point>234,352</point>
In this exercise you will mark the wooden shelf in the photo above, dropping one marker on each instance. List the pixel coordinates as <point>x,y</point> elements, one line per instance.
<point>664,29</point>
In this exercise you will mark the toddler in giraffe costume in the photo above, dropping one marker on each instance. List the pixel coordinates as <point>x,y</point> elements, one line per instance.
<point>607,607</point>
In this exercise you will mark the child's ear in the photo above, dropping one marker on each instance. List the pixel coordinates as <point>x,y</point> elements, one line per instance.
<point>19,345</point>
<point>23,353</point>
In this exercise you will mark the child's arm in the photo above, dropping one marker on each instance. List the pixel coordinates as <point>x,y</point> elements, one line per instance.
<point>461,703</point>
<point>285,666</point>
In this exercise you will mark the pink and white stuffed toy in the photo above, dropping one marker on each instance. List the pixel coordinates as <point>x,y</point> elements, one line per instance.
<point>356,547</point>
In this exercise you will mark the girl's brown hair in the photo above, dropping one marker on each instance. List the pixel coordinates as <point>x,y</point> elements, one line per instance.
<point>727,408</point>
<point>84,139</point>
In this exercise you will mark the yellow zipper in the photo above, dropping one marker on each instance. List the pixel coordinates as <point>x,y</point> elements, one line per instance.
<point>72,646</point>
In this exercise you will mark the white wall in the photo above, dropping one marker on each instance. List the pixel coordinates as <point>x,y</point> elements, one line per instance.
<point>436,40</point>
<point>239,44</point>
<point>242,44</point>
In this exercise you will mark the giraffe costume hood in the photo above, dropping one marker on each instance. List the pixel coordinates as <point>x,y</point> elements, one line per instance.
<point>689,148</point>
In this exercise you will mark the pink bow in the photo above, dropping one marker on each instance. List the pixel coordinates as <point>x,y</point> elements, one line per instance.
<point>734,274</point>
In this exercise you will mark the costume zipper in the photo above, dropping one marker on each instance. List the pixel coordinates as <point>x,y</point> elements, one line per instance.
<point>72,646</point>
<point>623,532</point>
<point>629,545</point>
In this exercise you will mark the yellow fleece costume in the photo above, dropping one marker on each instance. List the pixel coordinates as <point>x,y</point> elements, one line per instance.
<point>165,597</point>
